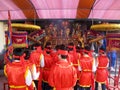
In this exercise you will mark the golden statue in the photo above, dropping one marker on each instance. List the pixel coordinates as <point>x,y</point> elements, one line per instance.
<point>80,39</point>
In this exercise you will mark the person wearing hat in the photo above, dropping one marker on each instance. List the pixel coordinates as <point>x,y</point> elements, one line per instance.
<point>18,74</point>
<point>101,72</point>
<point>48,63</point>
<point>72,54</point>
<point>37,58</point>
<point>86,66</point>
<point>63,75</point>
<point>55,53</point>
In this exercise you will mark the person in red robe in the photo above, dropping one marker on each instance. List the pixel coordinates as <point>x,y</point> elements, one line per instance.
<point>71,54</point>
<point>18,74</point>
<point>32,66</point>
<point>73,57</point>
<point>63,75</point>
<point>87,67</point>
<point>102,72</point>
<point>54,54</point>
<point>48,63</point>
<point>37,58</point>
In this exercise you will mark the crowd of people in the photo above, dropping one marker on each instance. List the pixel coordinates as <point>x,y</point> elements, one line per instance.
<point>62,68</point>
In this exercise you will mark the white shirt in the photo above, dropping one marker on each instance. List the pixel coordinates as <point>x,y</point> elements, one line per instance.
<point>28,79</point>
<point>42,64</point>
<point>34,72</point>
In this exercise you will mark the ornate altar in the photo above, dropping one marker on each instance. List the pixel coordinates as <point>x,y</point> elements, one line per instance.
<point>61,34</point>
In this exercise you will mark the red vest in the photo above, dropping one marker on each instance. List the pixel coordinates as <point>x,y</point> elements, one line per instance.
<point>102,73</point>
<point>55,57</point>
<point>16,76</point>
<point>78,56</point>
<point>35,58</point>
<point>48,63</point>
<point>63,76</point>
<point>71,57</point>
<point>86,73</point>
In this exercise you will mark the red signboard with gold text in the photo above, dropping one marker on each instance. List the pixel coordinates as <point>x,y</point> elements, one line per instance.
<point>113,41</point>
<point>19,39</point>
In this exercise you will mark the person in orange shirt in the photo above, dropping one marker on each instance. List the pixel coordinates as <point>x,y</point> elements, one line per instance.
<point>63,75</point>
<point>102,72</point>
<point>87,66</point>
<point>18,74</point>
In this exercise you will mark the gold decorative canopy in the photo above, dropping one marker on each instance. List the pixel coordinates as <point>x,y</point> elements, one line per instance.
<point>105,27</point>
<point>25,26</point>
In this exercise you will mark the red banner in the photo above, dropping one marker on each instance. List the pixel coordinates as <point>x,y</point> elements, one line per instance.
<point>113,41</point>
<point>19,39</point>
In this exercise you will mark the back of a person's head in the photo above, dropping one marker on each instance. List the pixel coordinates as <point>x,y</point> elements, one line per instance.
<point>78,48</point>
<point>27,54</point>
<point>86,50</point>
<point>87,47</point>
<point>34,46</point>
<point>64,49</point>
<point>48,45</point>
<point>18,52</point>
<point>57,47</point>
<point>70,46</point>
<point>101,50</point>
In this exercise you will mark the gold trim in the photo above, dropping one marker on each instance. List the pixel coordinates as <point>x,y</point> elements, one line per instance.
<point>105,27</point>
<point>5,71</point>
<point>110,48</point>
<point>84,85</point>
<point>19,45</point>
<point>75,64</point>
<point>12,86</point>
<point>100,82</point>
<point>25,26</point>
<point>113,38</point>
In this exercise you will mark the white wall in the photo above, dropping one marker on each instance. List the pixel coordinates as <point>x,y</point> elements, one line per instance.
<point>2,36</point>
